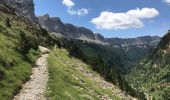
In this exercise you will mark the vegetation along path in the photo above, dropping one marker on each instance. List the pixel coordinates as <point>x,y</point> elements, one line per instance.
<point>72,79</point>
<point>36,87</point>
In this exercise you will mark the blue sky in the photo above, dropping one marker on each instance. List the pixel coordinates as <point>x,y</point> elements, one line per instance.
<point>111,18</point>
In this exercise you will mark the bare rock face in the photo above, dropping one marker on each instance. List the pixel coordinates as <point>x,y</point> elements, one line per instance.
<point>99,37</point>
<point>79,32</point>
<point>6,8</point>
<point>54,24</point>
<point>24,8</point>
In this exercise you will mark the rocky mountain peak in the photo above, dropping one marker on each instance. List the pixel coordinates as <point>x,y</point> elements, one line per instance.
<point>56,19</point>
<point>45,17</point>
<point>54,24</point>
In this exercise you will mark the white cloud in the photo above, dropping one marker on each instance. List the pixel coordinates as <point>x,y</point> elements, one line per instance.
<point>82,12</point>
<point>79,12</point>
<point>167,1</point>
<point>70,8</point>
<point>143,13</point>
<point>68,3</point>
<point>129,19</point>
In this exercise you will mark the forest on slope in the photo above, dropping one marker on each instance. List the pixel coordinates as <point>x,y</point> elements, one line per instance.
<point>152,75</point>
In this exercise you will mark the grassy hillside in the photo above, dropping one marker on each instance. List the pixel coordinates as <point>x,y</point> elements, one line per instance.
<point>19,40</point>
<point>153,74</point>
<point>14,70</point>
<point>97,64</point>
<point>70,78</point>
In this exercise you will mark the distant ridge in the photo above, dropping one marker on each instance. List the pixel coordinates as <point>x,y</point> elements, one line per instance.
<point>25,8</point>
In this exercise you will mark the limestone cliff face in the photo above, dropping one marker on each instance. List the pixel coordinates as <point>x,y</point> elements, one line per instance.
<point>139,41</point>
<point>24,8</point>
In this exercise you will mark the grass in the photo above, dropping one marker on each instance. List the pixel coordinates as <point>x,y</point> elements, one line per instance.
<point>68,83</point>
<point>15,69</point>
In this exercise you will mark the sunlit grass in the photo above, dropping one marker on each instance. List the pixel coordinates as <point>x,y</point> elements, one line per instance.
<point>67,83</point>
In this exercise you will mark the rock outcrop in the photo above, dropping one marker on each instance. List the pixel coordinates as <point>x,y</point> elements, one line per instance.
<point>24,8</point>
<point>6,8</point>
<point>52,24</point>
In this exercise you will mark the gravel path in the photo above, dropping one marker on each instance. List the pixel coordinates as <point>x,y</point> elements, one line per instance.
<point>36,87</point>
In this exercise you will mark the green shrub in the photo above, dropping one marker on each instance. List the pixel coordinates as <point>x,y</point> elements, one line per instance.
<point>33,55</point>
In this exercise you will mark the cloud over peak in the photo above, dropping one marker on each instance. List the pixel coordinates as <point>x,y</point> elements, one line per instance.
<point>129,19</point>
<point>70,8</point>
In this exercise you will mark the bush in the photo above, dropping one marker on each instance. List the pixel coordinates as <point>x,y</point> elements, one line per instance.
<point>33,55</point>
<point>7,22</point>
<point>1,75</point>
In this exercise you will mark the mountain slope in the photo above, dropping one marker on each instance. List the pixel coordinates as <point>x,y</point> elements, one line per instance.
<point>20,39</point>
<point>70,78</point>
<point>153,74</point>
